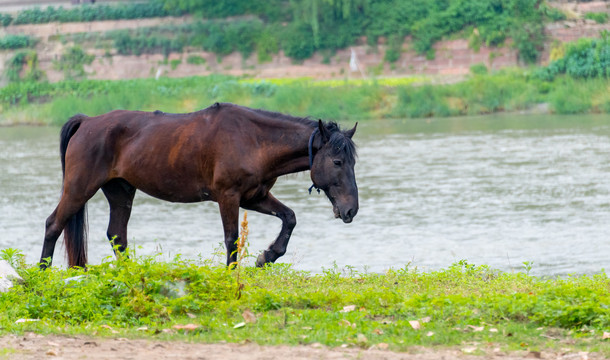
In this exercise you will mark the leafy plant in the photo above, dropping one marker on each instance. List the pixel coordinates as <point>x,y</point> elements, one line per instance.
<point>11,42</point>
<point>174,63</point>
<point>478,69</point>
<point>584,58</point>
<point>195,60</point>
<point>23,66</point>
<point>598,17</point>
<point>403,307</point>
<point>72,63</point>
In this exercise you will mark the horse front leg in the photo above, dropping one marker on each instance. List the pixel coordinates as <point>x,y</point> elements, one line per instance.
<point>271,206</point>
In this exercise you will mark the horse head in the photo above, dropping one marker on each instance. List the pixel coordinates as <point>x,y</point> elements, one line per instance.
<point>332,169</point>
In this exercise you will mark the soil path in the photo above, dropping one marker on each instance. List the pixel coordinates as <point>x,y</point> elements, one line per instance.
<point>33,346</point>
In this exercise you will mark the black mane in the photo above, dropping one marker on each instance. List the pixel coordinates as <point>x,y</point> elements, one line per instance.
<point>339,142</point>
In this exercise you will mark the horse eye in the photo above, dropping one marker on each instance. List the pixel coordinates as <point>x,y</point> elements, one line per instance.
<point>337,162</point>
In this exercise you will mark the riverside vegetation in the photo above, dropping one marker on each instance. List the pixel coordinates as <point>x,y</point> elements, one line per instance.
<point>511,90</point>
<point>302,27</point>
<point>575,81</point>
<point>471,307</point>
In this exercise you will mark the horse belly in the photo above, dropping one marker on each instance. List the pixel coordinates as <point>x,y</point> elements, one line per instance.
<point>168,170</point>
<point>176,192</point>
<point>157,179</point>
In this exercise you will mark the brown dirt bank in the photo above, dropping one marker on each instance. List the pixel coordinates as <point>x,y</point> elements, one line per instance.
<point>453,57</point>
<point>34,346</point>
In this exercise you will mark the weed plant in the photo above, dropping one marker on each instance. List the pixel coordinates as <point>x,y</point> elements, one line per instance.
<point>140,296</point>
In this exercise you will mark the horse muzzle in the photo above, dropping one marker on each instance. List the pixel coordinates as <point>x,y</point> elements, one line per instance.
<point>347,215</point>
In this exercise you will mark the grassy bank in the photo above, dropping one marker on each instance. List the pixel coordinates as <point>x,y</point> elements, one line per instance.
<point>463,305</point>
<point>511,90</point>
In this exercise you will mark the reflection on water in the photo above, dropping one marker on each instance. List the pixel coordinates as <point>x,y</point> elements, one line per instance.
<point>492,190</point>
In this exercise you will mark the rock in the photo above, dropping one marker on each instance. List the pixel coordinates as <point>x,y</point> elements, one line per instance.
<point>77,279</point>
<point>7,276</point>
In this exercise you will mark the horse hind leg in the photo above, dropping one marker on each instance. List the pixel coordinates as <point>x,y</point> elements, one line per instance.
<point>69,216</point>
<point>52,231</point>
<point>120,196</point>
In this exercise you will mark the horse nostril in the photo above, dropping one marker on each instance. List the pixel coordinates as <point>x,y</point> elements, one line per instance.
<point>350,214</point>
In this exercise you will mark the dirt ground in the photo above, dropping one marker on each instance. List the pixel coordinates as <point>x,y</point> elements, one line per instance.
<point>34,346</point>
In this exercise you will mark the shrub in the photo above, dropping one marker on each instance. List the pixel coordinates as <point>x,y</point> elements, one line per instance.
<point>392,53</point>
<point>91,13</point>
<point>72,63</point>
<point>296,41</point>
<point>598,17</point>
<point>478,69</point>
<point>23,66</point>
<point>11,42</point>
<point>195,60</point>
<point>174,63</point>
<point>584,58</point>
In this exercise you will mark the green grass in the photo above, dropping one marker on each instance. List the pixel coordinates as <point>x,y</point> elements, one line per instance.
<point>504,91</point>
<point>463,304</point>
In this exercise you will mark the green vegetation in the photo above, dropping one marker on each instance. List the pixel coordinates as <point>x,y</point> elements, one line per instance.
<point>302,27</point>
<point>463,304</point>
<point>89,13</point>
<point>195,60</point>
<point>11,42</point>
<point>221,37</point>
<point>584,58</point>
<point>598,17</point>
<point>508,90</point>
<point>23,66</point>
<point>72,63</point>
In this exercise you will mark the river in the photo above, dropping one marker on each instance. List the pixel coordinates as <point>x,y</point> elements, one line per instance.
<point>493,190</point>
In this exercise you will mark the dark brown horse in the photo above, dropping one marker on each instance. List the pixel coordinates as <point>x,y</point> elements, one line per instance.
<point>225,153</point>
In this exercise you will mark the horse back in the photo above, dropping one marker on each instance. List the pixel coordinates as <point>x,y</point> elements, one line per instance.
<point>176,157</point>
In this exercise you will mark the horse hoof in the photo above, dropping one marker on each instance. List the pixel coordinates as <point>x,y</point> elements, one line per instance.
<point>260,260</point>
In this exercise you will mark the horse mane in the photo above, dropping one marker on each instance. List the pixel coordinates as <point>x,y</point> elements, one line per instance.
<point>338,140</point>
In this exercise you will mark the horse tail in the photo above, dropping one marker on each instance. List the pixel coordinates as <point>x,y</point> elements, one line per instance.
<point>75,231</point>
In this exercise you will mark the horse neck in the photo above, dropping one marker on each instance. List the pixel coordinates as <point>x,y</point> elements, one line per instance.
<point>290,151</point>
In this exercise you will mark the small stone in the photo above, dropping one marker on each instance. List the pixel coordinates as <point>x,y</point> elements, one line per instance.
<point>348,308</point>
<point>383,346</point>
<point>415,324</point>
<point>7,276</point>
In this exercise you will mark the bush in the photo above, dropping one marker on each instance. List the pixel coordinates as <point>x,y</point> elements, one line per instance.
<point>296,41</point>
<point>174,63</point>
<point>598,17</point>
<point>92,13</point>
<point>195,60</point>
<point>478,69</point>
<point>11,42</point>
<point>23,66</point>
<point>266,45</point>
<point>422,101</point>
<point>303,27</point>
<point>584,58</point>
<point>72,63</point>
<point>567,101</point>
<point>392,53</point>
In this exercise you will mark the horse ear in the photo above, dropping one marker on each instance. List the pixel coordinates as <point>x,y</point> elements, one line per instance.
<point>323,131</point>
<point>350,133</point>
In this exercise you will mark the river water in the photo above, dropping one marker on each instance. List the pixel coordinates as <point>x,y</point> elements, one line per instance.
<point>498,190</point>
